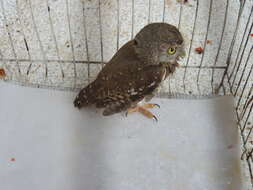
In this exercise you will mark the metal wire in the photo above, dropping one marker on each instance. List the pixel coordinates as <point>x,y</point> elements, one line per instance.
<point>25,42</point>
<point>228,61</point>
<point>54,38</point>
<point>10,37</point>
<point>101,33</point>
<point>86,42</point>
<point>241,44</point>
<point>192,38</point>
<point>118,25</point>
<point>243,51</point>
<point>235,78</point>
<point>71,42</point>
<point>243,71</point>
<point>39,40</point>
<point>221,40</point>
<point>205,42</point>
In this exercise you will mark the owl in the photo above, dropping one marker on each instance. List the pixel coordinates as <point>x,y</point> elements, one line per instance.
<point>135,72</point>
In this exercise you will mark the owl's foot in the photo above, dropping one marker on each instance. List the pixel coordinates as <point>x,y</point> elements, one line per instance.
<point>143,110</point>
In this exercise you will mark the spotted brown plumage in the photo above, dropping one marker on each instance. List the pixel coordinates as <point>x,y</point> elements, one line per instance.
<point>135,71</point>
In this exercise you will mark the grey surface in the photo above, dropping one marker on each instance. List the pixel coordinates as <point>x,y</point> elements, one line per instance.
<point>193,146</point>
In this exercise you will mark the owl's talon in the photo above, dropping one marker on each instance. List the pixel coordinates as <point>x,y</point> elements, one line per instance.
<point>143,110</point>
<point>149,106</point>
<point>157,105</point>
<point>155,118</point>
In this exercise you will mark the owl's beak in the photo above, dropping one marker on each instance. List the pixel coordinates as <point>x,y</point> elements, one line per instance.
<point>183,54</point>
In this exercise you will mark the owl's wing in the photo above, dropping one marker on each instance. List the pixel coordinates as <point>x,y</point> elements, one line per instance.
<point>126,86</point>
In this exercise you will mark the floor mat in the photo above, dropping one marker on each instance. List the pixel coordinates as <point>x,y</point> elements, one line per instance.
<point>45,143</point>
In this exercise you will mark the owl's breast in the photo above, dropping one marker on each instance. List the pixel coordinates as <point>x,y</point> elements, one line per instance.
<point>170,68</point>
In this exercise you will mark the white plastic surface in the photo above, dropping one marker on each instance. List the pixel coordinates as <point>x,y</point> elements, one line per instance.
<point>45,143</point>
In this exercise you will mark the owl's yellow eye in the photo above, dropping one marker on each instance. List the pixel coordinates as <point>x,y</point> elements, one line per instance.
<point>171,51</point>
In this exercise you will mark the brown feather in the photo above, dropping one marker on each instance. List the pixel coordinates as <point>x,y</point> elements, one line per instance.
<point>132,74</point>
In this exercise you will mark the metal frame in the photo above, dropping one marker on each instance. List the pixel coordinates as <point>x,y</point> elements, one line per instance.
<point>231,72</point>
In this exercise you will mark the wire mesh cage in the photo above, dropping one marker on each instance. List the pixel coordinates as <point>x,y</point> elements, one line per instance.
<point>63,44</point>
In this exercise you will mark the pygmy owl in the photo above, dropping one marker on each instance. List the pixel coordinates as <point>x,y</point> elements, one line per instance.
<point>135,71</point>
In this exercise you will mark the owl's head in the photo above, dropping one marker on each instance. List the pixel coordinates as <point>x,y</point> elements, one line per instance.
<point>159,42</point>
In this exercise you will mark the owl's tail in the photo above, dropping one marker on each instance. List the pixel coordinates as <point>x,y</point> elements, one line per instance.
<point>86,96</point>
